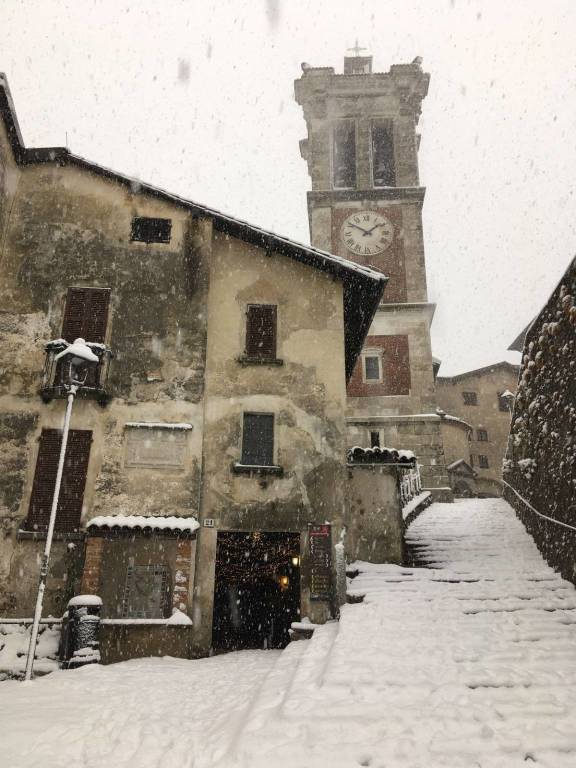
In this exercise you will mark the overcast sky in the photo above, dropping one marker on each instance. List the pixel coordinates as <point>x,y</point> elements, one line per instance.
<point>197,97</point>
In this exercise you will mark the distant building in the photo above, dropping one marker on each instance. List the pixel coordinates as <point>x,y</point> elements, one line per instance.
<point>541,459</point>
<point>474,453</point>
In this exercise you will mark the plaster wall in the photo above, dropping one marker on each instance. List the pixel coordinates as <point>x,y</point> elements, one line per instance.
<point>374,525</point>
<point>69,227</point>
<point>306,394</point>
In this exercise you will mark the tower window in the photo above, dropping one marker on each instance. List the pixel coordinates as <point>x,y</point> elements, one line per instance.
<point>258,439</point>
<point>383,172</point>
<point>149,230</point>
<point>375,439</point>
<point>344,154</point>
<point>372,364</point>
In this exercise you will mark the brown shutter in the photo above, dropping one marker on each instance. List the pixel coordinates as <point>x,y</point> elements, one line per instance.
<point>73,480</point>
<point>86,314</point>
<point>258,439</point>
<point>261,331</point>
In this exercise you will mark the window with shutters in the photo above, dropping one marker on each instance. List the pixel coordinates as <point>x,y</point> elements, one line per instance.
<point>344,154</point>
<point>382,153</point>
<point>147,592</point>
<point>261,324</point>
<point>150,230</point>
<point>71,495</point>
<point>258,439</point>
<point>86,314</point>
<point>85,317</point>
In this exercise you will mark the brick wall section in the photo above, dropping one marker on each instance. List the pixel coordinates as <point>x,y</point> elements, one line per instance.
<point>395,368</point>
<point>181,594</point>
<point>92,566</point>
<point>392,262</point>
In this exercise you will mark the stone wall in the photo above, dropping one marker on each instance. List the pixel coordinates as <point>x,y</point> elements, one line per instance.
<point>374,525</point>
<point>541,458</point>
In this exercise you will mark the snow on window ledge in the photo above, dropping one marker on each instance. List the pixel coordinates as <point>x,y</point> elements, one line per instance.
<point>257,469</point>
<point>157,425</point>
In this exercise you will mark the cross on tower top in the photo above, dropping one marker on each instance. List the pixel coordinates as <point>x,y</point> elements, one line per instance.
<point>356,48</point>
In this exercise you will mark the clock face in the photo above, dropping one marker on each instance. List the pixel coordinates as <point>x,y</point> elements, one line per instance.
<point>366,233</point>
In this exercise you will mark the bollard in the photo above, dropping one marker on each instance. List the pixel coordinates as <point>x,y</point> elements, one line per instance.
<point>80,644</point>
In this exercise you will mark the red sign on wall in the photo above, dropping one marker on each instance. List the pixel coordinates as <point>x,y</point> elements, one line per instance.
<point>320,539</point>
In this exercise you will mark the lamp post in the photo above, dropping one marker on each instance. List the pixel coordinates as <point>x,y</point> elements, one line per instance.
<point>76,360</point>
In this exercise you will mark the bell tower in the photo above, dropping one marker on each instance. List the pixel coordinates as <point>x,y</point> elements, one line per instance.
<point>366,205</point>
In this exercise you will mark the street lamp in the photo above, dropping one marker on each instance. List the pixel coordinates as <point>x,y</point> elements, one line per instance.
<point>509,398</point>
<point>76,360</point>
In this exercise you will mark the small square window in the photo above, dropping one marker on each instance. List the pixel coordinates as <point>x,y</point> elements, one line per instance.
<point>375,439</point>
<point>372,366</point>
<point>470,398</point>
<point>482,435</point>
<point>149,230</point>
<point>483,462</point>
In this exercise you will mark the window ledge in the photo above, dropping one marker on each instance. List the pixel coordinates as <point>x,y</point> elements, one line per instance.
<point>246,360</point>
<point>23,535</point>
<point>257,469</point>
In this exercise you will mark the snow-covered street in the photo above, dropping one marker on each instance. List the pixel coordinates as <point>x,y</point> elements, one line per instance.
<point>469,662</point>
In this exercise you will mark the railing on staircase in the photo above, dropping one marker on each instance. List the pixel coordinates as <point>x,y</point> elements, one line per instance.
<point>410,484</point>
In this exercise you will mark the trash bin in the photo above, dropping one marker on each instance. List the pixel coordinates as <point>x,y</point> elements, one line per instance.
<point>80,641</point>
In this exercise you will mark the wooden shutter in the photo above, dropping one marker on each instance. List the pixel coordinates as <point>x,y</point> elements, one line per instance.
<point>73,481</point>
<point>258,439</point>
<point>86,314</point>
<point>261,331</point>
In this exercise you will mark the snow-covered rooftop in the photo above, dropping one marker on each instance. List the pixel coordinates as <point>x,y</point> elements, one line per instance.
<point>172,523</point>
<point>359,455</point>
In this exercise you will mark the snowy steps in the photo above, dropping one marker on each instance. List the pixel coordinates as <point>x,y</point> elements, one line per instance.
<point>471,662</point>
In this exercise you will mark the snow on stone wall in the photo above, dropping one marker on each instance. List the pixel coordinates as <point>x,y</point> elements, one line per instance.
<point>541,460</point>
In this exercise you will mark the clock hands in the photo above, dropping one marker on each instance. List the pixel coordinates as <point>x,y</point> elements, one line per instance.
<point>366,232</point>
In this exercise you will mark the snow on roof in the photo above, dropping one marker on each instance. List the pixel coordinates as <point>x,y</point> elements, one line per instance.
<point>359,455</point>
<point>141,522</point>
<point>158,425</point>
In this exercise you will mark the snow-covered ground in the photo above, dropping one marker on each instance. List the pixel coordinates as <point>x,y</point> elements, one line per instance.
<point>470,663</point>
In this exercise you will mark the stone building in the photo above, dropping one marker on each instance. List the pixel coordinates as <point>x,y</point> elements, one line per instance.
<point>476,447</point>
<point>366,204</point>
<point>540,468</point>
<point>206,470</point>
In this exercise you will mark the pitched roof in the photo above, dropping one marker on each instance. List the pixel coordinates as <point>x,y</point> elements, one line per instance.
<point>479,372</point>
<point>363,286</point>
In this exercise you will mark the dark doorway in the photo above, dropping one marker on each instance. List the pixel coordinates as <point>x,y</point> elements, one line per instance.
<point>257,589</point>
